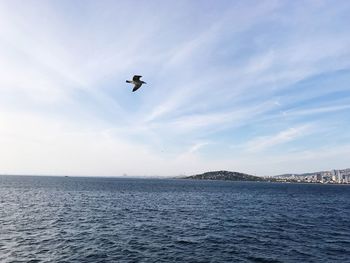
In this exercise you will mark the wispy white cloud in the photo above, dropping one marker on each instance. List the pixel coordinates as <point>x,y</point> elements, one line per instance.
<point>318,110</point>
<point>264,142</point>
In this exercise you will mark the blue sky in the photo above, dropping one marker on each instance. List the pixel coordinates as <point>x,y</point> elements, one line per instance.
<point>254,86</point>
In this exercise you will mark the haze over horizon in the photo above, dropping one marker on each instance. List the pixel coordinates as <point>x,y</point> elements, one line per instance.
<point>260,87</point>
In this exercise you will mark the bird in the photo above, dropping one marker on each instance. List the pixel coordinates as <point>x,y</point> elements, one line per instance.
<point>136,81</point>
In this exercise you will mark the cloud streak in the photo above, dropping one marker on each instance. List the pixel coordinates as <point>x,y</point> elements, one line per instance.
<point>265,142</point>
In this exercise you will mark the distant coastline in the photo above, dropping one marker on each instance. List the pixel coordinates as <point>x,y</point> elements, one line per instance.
<point>340,176</point>
<point>323,177</point>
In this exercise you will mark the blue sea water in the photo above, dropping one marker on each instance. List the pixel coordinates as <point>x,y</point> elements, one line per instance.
<point>71,219</point>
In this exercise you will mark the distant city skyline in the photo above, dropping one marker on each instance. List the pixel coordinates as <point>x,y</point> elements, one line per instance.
<point>336,176</point>
<point>260,87</point>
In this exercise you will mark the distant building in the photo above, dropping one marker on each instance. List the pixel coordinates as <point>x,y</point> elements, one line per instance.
<point>334,177</point>
<point>319,177</point>
<point>339,176</point>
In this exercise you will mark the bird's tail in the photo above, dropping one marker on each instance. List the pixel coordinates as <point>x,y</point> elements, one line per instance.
<point>128,81</point>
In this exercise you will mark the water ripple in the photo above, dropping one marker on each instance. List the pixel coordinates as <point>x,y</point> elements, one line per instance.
<point>52,219</point>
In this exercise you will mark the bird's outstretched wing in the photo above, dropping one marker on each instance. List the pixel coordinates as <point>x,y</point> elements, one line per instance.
<point>136,78</point>
<point>137,86</point>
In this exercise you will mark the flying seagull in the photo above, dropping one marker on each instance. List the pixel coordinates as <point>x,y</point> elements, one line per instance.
<point>137,82</point>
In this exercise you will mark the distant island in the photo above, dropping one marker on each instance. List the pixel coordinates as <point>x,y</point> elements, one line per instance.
<point>226,176</point>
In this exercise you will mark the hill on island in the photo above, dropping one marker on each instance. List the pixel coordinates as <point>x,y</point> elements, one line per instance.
<point>225,175</point>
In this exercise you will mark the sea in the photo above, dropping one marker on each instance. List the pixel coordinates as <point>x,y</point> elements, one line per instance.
<point>85,219</point>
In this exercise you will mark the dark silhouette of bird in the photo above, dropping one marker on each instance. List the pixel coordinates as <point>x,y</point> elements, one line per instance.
<point>137,82</point>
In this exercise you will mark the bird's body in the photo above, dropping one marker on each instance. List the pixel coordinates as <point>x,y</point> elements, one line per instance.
<point>137,82</point>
